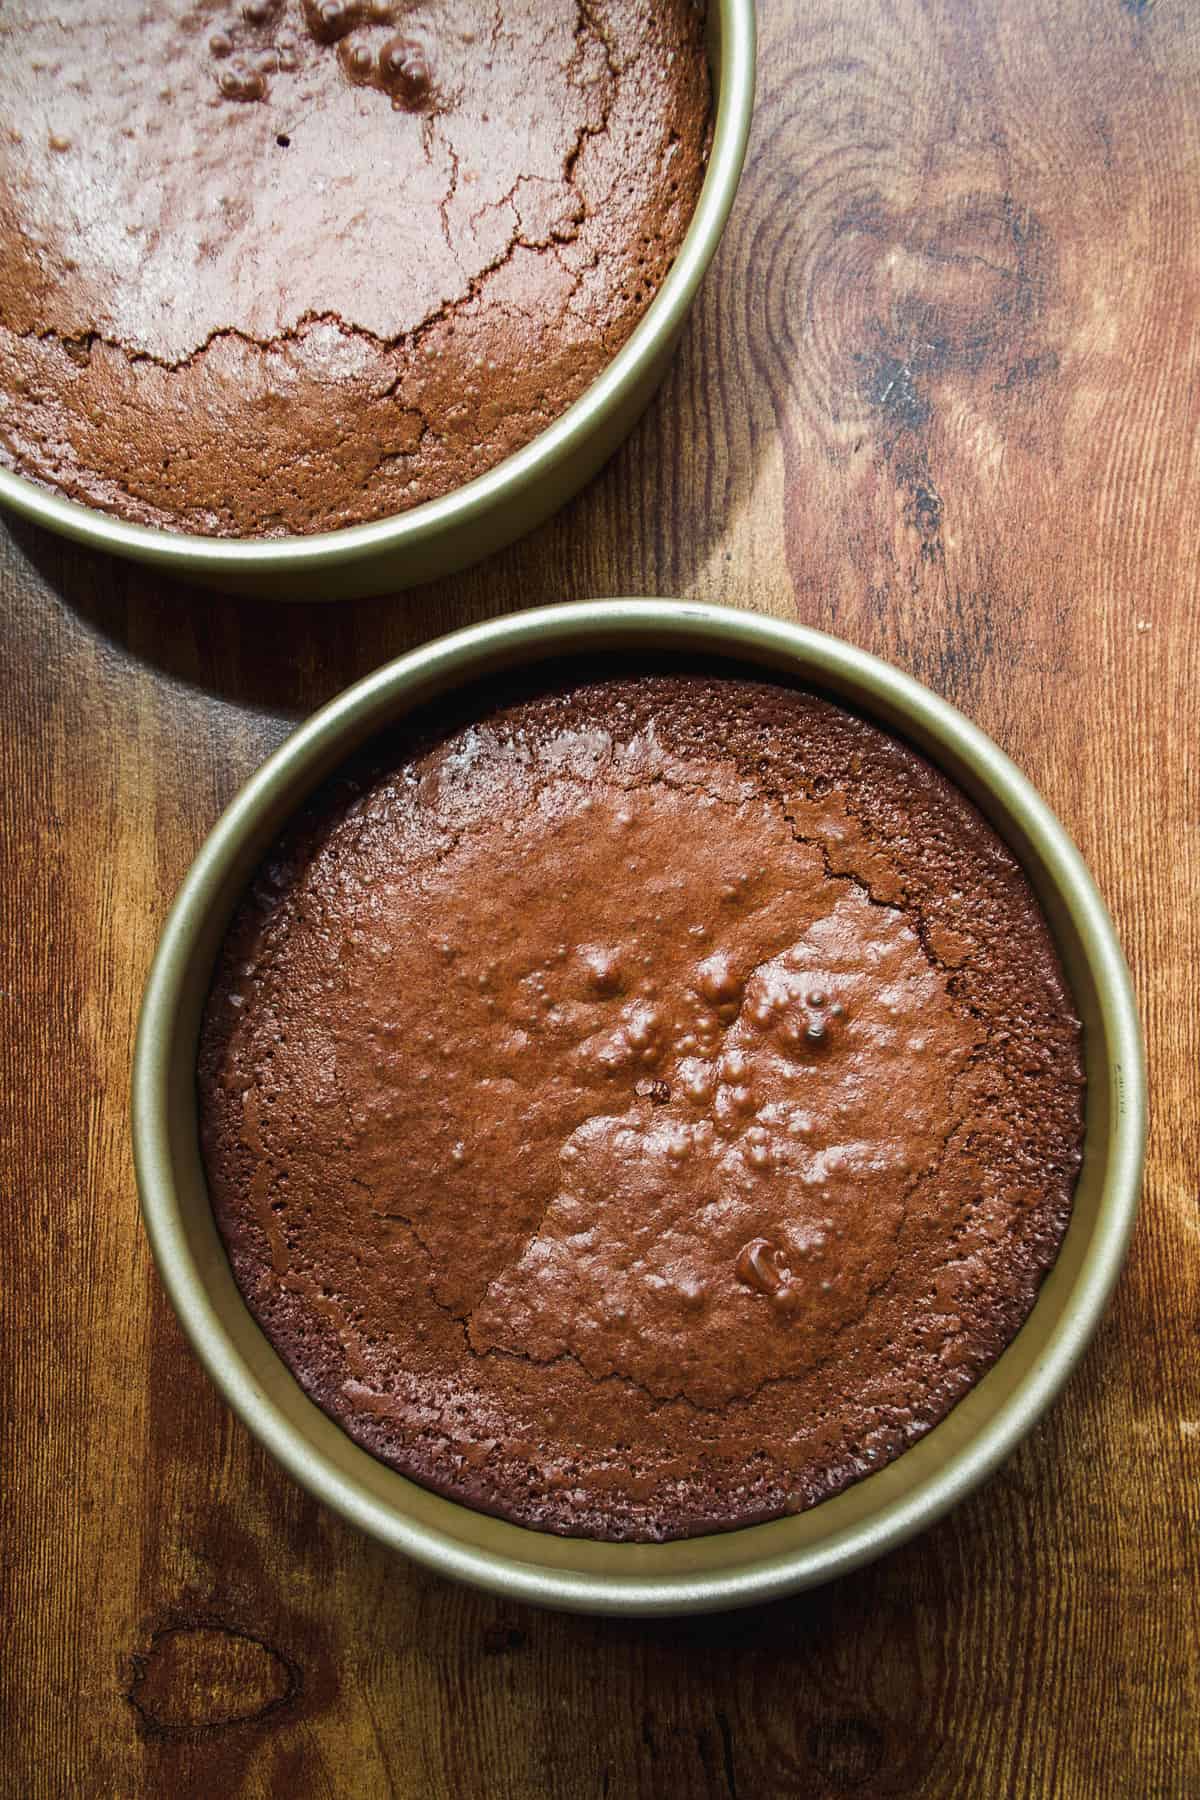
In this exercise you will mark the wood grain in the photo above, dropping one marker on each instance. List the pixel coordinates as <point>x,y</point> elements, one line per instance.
<point>940,395</point>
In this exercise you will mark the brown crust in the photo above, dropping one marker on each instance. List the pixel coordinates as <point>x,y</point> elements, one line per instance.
<point>643,1110</point>
<point>323,307</point>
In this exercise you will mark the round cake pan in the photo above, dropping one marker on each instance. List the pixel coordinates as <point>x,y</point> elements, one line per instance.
<point>725,1569</point>
<point>447,534</point>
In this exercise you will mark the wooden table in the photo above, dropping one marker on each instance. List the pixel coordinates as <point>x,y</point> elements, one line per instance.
<point>940,396</point>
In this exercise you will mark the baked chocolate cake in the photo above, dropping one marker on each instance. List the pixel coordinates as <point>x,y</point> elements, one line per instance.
<point>295,264</point>
<point>641,1107</point>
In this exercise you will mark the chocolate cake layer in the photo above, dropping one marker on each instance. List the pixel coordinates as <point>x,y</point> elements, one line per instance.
<point>285,267</point>
<point>644,1108</point>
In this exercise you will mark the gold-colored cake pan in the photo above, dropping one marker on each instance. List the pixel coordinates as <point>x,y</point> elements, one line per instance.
<point>729,1569</point>
<point>443,535</point>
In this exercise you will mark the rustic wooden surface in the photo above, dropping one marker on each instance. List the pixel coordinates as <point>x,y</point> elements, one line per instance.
<point>941,396</point>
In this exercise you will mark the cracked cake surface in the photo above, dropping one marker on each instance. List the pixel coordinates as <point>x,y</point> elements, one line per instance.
<point>642,1106</point>
<point>292,265</point>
